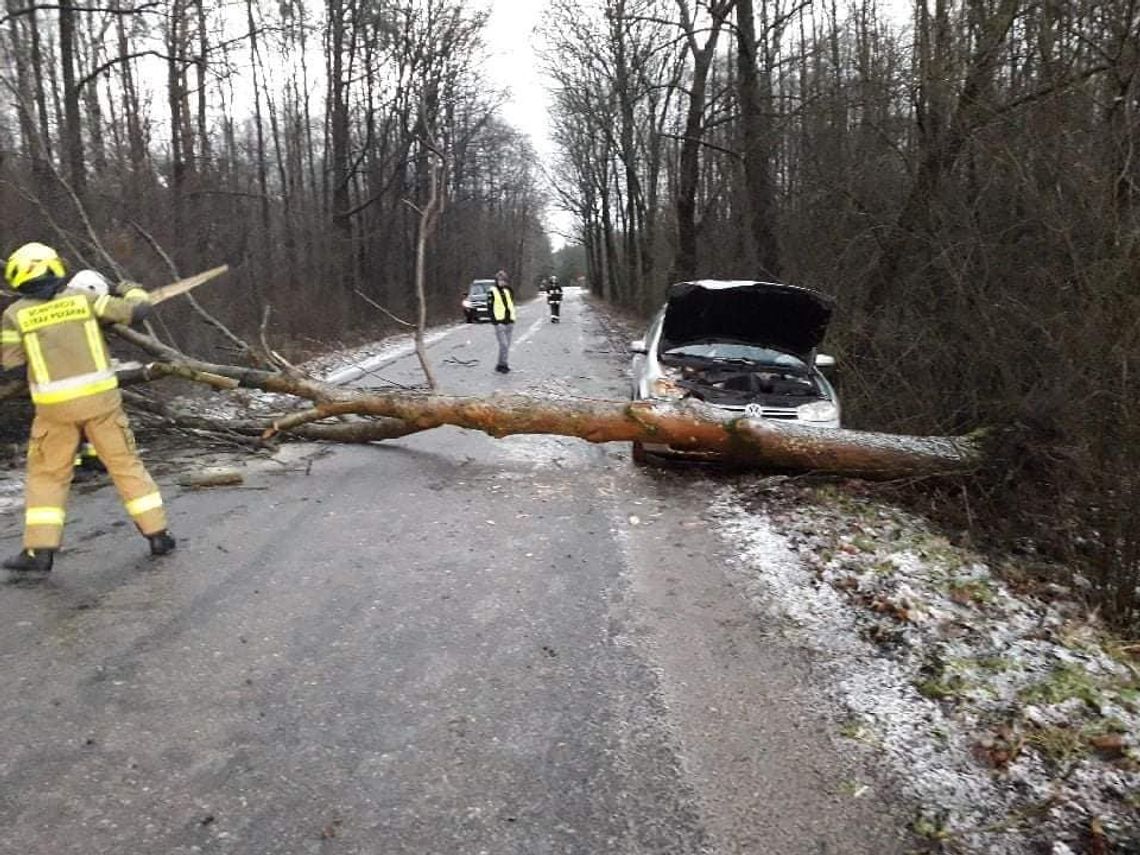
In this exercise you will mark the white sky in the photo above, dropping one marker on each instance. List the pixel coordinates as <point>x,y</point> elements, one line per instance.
<point>514,65</point>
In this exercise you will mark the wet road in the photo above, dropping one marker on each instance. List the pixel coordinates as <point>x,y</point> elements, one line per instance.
<point>445,644</point>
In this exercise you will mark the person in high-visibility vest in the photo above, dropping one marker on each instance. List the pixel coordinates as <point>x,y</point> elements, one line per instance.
<point>52,332</point>
<point>502,303</point>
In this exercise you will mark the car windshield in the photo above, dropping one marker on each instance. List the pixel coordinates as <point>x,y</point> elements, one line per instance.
<point>742,352</point>
<point>478,288</point>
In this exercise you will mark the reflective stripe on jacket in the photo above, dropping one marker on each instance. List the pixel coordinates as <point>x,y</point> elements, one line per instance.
<point>502,305</point>
<point>61,343</point>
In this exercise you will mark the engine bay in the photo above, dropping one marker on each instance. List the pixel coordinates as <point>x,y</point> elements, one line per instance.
<point>741,383</point>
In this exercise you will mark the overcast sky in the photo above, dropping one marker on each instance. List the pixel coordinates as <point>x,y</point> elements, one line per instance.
<point>514,66</point>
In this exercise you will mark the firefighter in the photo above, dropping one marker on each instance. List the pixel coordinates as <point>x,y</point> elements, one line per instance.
<point>53,333</point>
<point>503,314</point>
<point>554,298</point>
<point>87,462</point>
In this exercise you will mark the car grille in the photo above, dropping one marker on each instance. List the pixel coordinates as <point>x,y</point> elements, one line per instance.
<point>768,412</point>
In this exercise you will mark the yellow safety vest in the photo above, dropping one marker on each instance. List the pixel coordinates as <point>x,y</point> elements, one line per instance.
<point>502,305</point>
<point>62,344</point>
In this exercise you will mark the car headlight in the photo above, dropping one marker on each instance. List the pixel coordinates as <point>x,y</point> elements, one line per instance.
<point>467,304</point>
<point>663,387</point>
<point>818,411</point>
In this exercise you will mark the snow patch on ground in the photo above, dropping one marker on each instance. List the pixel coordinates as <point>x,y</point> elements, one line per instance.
<point>345,366</point>
<point>1009,719</point>
<point>338,368</point>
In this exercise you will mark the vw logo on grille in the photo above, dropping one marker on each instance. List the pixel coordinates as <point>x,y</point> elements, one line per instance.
<point>754,411</point>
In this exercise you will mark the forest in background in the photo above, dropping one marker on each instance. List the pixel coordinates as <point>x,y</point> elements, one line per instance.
<point>293,141</point>
<point>961,178</point>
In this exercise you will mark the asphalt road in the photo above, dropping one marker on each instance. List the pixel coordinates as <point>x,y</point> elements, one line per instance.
<point>444,644</point>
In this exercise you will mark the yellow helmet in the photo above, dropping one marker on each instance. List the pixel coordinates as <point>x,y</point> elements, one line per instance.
<point>30,262</point>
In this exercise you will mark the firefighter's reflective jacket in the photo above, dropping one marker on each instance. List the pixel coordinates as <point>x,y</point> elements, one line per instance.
<point>502,305</point>
<point>60,342</point>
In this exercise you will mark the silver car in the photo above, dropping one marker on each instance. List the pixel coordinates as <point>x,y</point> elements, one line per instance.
<point>745,347</point>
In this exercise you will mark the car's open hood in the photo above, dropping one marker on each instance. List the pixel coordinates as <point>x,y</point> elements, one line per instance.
<point>766,314</point>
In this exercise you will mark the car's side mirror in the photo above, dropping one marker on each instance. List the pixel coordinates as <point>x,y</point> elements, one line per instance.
<point>638,346</point>
<point>822,360</point>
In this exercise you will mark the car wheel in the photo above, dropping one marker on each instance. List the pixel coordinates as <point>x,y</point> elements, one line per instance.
<point>638,454</point>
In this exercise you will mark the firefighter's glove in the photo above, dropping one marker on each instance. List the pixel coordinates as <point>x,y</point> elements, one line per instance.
<point>131,291</point>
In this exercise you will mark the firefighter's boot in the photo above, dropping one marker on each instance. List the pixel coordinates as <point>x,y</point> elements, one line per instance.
<point>31,561</point>
<point>161,543</point>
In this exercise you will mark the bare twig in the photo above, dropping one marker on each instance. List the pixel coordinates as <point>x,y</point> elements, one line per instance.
<point>226,332</point>
<point>378,307</point>
<point>429,217</point>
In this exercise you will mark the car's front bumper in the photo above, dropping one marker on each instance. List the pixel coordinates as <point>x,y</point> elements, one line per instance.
<point>777,415</point>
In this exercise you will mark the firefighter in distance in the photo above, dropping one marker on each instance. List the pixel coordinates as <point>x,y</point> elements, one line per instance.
<point>554,298</point>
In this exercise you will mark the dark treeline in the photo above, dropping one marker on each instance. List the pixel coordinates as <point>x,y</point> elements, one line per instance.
<point>963,181</point>
<point>292,141</point>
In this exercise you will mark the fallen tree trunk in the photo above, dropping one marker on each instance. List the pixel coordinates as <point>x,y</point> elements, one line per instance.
<point>691,426</point>
<point>688,426</point>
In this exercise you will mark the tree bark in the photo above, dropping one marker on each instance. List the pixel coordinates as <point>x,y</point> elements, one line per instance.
<point>72,135</point>
<point>942,146</point>
<point>755,147</point>
<point>688,171</point>
<point>685,426</point>
<point>429,217</point>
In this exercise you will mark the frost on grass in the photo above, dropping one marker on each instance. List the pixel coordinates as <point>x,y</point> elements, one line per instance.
<point>1009,717</point>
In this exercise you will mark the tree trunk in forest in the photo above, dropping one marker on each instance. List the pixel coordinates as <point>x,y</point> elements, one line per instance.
<point>204,153</point>
<point>338,129</point>
<point>38,65</point>
<point>30,96</point>
<point>259,127</point>
<point>429,218</point>
<point>72,134</point>
<point>97,148</point>
<point>136,143</point>
<point>688,177</point>
<point>175,97</point>
<point>755,145</point>
<point>941,150</point>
